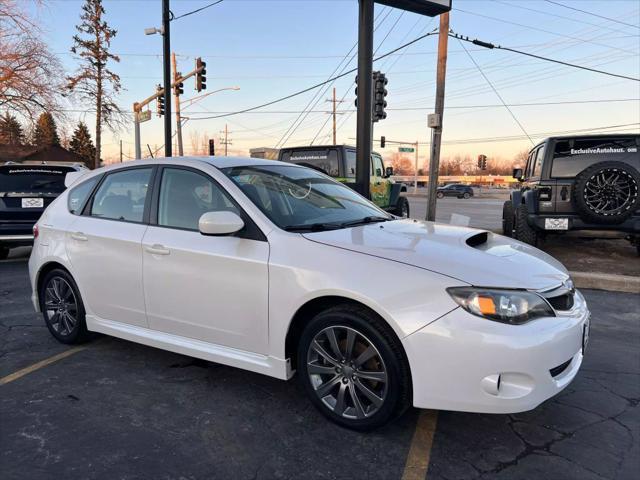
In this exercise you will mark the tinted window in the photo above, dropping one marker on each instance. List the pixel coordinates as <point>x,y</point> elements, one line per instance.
<point>78,195</point>
<point>186,195</point>
<point>350,164</point>
<point>43,179</point>
<point>122,195</point>
<point>378,167</point>
<point>537,161</point>
<point>297,197</point>
<point>325,160</point>
<point>570,157</point>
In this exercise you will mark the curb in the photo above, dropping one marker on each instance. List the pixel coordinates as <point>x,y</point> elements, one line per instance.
<point>606,281</point>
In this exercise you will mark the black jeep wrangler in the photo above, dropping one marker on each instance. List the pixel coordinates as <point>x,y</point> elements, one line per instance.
<point>577,183</point>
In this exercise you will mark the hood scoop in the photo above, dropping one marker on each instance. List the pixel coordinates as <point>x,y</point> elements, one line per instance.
<point>477,239</point>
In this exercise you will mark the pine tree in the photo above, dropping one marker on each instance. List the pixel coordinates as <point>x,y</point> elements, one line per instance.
<point>94,82</point>
<point>46,132</point>
<point>82,144</point>
<point>11,132</point>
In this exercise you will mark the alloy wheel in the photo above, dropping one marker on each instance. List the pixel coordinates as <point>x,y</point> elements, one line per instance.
<point>61,306</point>
<point>347,372</point>
<point>610,192</point>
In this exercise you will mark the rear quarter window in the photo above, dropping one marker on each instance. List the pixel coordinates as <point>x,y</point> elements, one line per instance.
<point>570,157</point>
<point>78,195</point>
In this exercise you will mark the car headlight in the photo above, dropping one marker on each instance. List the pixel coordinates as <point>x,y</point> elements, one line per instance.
<point>507,306</point>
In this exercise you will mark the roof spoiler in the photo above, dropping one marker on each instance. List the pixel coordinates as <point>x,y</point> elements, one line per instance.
<point>72,177</point>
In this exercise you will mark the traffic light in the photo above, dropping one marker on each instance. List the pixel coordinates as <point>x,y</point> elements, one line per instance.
<point>356,92</point>
<point>482,162</point>
<point>383,141</point>
<point>160,101</point>
<point>379,94</point>
<point>201,75</point>
<point>212,147</point>
<point>178,88</point>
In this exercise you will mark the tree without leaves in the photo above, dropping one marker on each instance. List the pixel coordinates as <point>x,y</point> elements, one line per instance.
<point>82,144</point>
<point>94,82</point>
<point>46,131</point>
<point>29,73</point>
<point>11,132</point>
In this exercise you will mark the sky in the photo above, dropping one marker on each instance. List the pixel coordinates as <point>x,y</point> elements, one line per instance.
<point>271,49</point>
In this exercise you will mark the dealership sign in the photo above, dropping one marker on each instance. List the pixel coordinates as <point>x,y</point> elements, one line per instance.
<point>423,7</point>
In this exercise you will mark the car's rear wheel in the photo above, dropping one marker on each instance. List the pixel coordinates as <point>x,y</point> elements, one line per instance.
<point>353,368</point>
<point>402,208</point>
<point>466,195</point>
<point>440,195</point>
<point>507,218</point>
<point>522,230</point>
<point>4,253</point>
<point>62,307</point>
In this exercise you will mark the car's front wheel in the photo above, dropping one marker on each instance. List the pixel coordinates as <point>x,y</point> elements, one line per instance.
<point>466,195</point>
<point>353,368</point>
<point>402,208</point>
<point>62,307</point>
<point>440,195</point>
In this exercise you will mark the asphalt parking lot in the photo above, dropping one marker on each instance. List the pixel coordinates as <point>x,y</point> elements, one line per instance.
<point>114,409</point>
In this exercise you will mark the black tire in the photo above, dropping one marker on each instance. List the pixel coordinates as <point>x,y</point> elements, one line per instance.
<point>62,329</point>
<point>440,195</point>
<point>522,230</point>
<point>4,253</point>
<point>622,196</point>
<point>466,195</point>
<point>396,390</point>
<point>507,218</point>
<point>402,208</point>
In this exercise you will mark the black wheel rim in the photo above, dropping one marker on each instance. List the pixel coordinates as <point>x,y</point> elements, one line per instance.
<point>610,192</point>
<point>61,306</point>
<point>347,372</point>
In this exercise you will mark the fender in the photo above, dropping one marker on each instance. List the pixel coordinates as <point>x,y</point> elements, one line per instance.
<point>396,189</point>
<point>516,198</point>
<point>530,200</point>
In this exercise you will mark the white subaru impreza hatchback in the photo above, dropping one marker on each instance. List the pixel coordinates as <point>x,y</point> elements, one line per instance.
<point>277,268</point>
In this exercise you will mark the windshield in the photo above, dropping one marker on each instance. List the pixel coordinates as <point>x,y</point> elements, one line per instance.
<point>301,199</point>
<point>32,179</point>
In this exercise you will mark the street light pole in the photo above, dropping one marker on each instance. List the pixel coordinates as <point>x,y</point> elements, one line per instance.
<point>166,64</point>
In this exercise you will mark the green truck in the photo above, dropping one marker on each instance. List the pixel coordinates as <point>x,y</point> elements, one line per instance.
<point>339,162</point>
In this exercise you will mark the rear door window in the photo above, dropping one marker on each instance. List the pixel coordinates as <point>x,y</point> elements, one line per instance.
<point>122,195</point>
<point>322,160</point>
<point>570,157</point>
<point>33,179</point>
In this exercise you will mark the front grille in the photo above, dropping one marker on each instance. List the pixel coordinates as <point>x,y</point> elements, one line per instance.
<point>560,368</point>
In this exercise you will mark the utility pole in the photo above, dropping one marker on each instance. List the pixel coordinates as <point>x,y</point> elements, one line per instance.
<point>436,121</point>
<point>166,51</point>
<point>120,151</point>
<point>364,129</point>
<point>176,80</point>
<point>226,140</point>
<point>335,113</point>
<point>415,172</point>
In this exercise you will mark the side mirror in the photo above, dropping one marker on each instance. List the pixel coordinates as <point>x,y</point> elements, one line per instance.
<point>517,173</point>
<point>388,171</point>
<point>220,223</point>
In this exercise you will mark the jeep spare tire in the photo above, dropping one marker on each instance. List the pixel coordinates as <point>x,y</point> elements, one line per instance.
<point>607,192</point>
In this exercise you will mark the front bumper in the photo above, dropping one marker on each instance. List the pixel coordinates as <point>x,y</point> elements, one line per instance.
<point>466,363</point>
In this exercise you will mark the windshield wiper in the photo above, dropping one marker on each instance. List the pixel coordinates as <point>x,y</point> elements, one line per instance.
<point>312,227</point>
<point>364,221</point>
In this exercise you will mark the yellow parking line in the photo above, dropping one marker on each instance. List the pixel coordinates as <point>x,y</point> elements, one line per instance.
<point>40,364</point>
<point>420,451</point>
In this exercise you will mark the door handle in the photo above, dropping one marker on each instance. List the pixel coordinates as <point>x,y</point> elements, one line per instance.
<point>157,249</point>
<point>81,237</point>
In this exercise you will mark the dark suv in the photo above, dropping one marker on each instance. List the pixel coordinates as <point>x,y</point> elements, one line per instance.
<point>339,162</point>
<point>577,183</point>
<point>457,190</point>
<point>25,191</point>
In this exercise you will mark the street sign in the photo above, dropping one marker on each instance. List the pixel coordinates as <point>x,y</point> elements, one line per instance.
<point>144,115</point>
<point>423,7</point>
<point>406,149</point>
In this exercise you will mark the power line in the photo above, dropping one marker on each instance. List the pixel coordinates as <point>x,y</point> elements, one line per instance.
<point>313,87</point>
<point>492,46</point>
<point>173,18</point>
<point>496,92</point>
<point>593,14</point>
